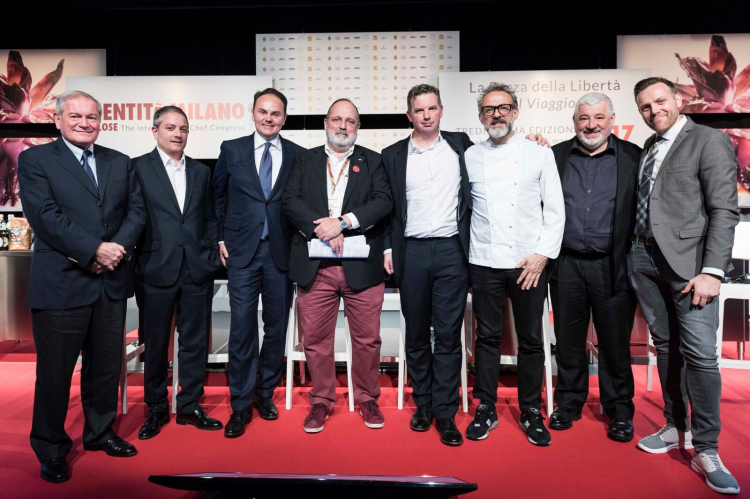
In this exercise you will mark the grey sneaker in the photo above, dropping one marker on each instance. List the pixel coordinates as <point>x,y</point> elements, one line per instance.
<point>718,478</point>
<point>666,439</point>
<point>485,420</point>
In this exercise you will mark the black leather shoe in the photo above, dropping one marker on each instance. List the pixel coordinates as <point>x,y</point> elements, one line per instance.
<point>55,470</point>
<point>266,408</point>
<point>621,429</point>
<point>422,418</point>
<point>237,423</point>
<point>449,433</point>
<point>200,420</point>
<point>115,447</point>
<point>561,419</point>
<point>155,419</point>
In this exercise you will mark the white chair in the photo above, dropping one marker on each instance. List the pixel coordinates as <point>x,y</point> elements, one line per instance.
<point>392,303</point>
<point>129,352</point>
<point>295,352</point>
<point>732,291</point>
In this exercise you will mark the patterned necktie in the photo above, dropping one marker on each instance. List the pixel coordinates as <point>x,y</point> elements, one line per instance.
<point>266,167</point>
<point>87,168</point>
<point>645,186</point>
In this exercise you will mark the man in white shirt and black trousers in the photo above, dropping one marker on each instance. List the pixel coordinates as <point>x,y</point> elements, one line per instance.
<point>517,225</point>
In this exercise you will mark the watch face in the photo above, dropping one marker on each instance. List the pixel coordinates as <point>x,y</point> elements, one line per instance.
<point>343,224</point>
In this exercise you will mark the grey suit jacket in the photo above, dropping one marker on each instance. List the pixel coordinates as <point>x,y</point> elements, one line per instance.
<point>694,202</point>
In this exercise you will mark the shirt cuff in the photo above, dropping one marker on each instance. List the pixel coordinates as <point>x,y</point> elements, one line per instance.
<point>712,271</point>
<point>353,220</point>
<point>388,251</point>
<point>221,242</point>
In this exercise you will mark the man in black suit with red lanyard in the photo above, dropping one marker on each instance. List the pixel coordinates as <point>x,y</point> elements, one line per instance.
<point>85,205</point>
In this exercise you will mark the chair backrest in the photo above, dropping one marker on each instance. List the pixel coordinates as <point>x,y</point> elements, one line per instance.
<point>741,248</point>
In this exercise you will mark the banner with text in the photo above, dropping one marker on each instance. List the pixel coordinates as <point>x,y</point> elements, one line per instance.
<point>218,108</point>
<point>546,101</point>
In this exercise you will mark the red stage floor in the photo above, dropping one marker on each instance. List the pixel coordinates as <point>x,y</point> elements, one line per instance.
<point>581,462</point>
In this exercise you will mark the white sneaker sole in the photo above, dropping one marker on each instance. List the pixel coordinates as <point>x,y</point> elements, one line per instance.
<point>700,471</point>
<point>666,449</point>
<point>372,425</point>
<point>531,439</point>
<point>487,434</point>
<point>315,430</point>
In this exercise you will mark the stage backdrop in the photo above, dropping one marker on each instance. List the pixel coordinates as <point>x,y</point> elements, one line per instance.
<point>546,100</point>
<point>375,139</point>
<point>375,70</point>
<point>218,108</point>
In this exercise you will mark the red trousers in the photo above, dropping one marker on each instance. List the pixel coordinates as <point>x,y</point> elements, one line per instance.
<point>318,306</point>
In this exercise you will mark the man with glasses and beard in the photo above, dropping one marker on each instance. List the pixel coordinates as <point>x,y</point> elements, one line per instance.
<point>516,227</point>
<point>590,278</point>
<point>335,192</point>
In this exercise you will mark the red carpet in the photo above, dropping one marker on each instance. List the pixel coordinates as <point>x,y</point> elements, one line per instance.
<point>581,462</point>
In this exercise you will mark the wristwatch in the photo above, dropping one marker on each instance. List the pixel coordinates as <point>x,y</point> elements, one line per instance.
<point>343,223</point>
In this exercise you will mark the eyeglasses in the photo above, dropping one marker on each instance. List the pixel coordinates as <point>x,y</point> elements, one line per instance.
<point>503,109</point>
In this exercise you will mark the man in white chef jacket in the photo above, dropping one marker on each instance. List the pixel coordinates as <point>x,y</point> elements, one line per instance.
<point>517,225</point>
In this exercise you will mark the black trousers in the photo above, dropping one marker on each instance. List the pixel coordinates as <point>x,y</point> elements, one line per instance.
<point>433,292</point>
<point>96,331</point>
<point>490,289</point>
<point>583,289</point>
<point>157,305</point>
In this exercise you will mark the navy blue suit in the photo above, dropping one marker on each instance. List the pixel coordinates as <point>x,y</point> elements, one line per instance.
<point>74,310</point>
<point>254,266</point>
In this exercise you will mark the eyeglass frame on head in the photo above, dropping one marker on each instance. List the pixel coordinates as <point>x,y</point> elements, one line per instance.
<point>488,111</point>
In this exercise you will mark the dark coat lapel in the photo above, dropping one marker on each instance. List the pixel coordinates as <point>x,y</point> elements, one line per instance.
<point>161,173</point>
<point>247,152</point>
<point>358,160</point>
<point>686,129</point>
<point>320,161</point>
<point>103,167</point>
<point>286,167</point>
<point>189,182</point>
<point>465,191</point>
<point>68,161</point>
<point>402,156</point>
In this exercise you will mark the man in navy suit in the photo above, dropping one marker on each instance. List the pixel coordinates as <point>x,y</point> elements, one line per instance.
<point>177,258</point>
<point>254,246</point>
<point>85,205</point>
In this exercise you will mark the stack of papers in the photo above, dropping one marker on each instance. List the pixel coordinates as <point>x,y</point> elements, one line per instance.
<point>354,247</point>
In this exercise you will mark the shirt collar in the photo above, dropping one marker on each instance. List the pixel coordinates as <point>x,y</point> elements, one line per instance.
<point>261,142</point>
<point>515,138</point>
<point>610,147</point>
<point>332,154</point>
<point>676,129</point>
<point>166,160</point>
<point>77,151</point>
<point>413,149</point>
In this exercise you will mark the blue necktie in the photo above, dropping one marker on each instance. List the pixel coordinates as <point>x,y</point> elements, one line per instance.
<point>87,168</point>
<point>266,168</point>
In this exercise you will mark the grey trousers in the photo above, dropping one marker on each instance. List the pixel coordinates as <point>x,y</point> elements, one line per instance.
<point>685,341</point>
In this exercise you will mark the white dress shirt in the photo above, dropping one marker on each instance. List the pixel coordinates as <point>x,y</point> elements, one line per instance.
<point>336,197</point>
<point>276,155</point>
<point>78,152</point>
<point>433,180</point>
<point>669,136</point>
<point>519,207</point>
<point>176,174</point>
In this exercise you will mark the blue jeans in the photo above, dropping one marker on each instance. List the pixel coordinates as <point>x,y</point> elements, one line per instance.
<point>685,341</point>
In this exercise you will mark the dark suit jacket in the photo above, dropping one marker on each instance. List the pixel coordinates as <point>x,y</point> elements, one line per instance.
<point>241,207</point>
<point>395,158</point>
<point>71,219</point>
<point>694,202</point>
<point>367,195</point>
<point>628,158</point>
<point>170,232</point>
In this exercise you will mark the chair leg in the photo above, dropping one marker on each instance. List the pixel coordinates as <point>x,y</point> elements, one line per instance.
<point>547,359</point>
<point>401,366</point>
<point>291,340</point>
<point>124,376</point>
<point>348,339</point>
<point>720,330</point>
<point>651,362</point>
<point>175,370</point>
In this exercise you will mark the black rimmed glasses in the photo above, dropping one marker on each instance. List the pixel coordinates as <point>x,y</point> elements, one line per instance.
<point>503,109</point>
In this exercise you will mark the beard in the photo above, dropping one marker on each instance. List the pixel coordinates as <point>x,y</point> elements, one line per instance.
<point>593,143</point>
<point>499,133</point>
<point>339,139</point>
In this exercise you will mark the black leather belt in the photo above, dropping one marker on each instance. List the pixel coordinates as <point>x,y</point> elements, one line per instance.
<point>648,240</point>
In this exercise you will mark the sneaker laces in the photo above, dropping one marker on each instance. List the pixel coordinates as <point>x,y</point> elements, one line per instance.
<point>483,412</point>
<point>423,411</point>
<point>665,429</point>
<point>535,415</point>
<point>370,407</point>
<point>318,411</point>
<point>716,461</point>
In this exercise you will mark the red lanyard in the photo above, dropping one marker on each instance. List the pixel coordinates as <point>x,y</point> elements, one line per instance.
<point>330,172</point>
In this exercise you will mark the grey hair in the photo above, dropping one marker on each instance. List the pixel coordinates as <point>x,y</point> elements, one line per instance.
<point>594,98</point>
<point>497,87</point>
<point>343,99</point>
<point>159,114</point>
<point>73,94</point>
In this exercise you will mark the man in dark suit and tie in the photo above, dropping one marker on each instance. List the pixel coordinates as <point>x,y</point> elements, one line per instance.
<point>336,192</point>
<point>254,245</point>
<point>85,205</point>
<point>176,259</point>
<point>590,277</point>
<point>682,245</point>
